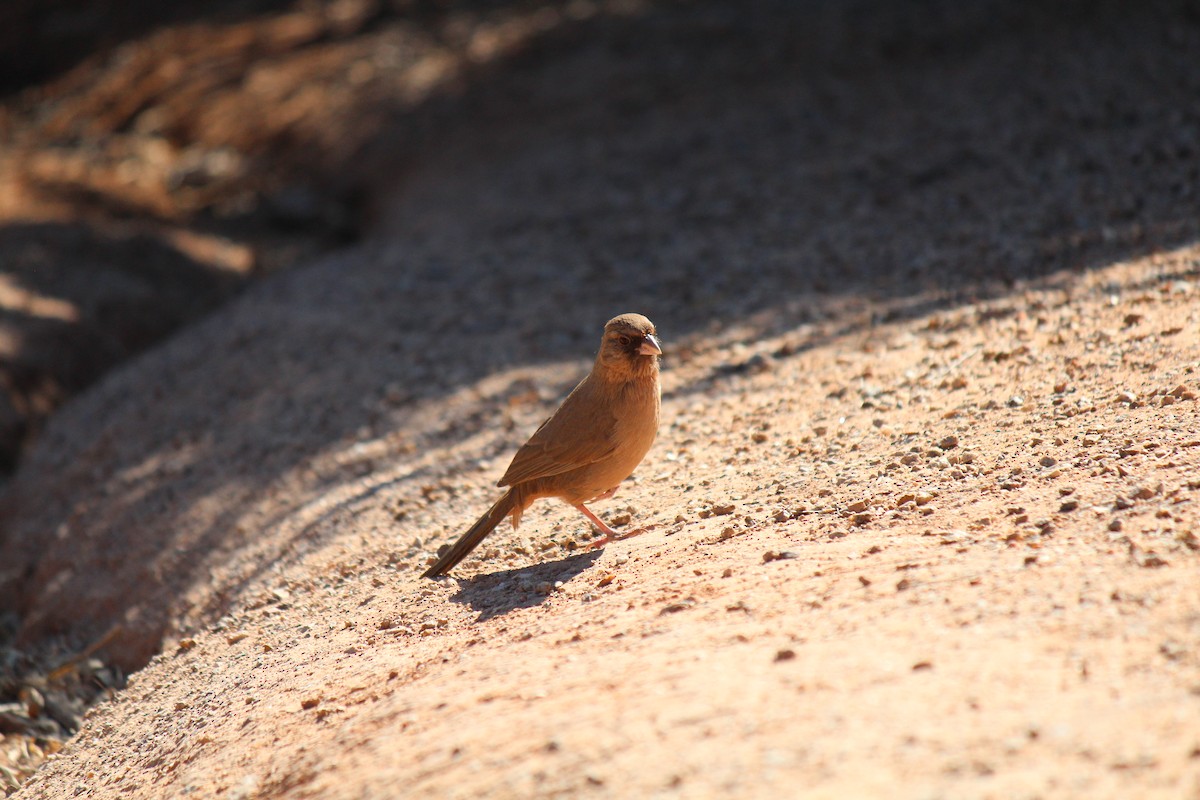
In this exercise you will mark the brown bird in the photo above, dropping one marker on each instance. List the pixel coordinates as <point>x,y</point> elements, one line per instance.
<point>590,444</point>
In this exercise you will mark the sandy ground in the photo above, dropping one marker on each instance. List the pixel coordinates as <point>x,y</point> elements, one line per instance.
<point>923,510</point>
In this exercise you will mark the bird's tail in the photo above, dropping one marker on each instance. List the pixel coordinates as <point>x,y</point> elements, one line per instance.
<point>471,539</point>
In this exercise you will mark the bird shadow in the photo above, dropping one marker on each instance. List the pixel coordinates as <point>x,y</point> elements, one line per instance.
<point>497,593</point>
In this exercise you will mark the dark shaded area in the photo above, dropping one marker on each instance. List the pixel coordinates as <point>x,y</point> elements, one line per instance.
<point>39,40</point>
<point>766,165</point>
<point>498,593</point>
<point>79,301</point>
<point>206,143</point>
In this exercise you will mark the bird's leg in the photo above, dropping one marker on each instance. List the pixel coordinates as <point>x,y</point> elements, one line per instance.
<point>609,533</point>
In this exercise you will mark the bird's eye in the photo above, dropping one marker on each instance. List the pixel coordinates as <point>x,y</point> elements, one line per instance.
<point>624,340</point>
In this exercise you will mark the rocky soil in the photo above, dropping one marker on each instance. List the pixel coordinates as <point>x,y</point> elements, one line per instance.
<point>923,510</point>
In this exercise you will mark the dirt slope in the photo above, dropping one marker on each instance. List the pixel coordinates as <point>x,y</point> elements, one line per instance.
<point>923,504</point>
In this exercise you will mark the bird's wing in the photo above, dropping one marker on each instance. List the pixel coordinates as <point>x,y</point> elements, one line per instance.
<point>581,432</point>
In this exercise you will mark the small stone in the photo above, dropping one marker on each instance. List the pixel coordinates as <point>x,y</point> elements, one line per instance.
<point>1173,650</point>
<point>1068,506</point>
<point>948,443</point>
<point>681,605</point>
<point>1048,461</point>
<point>1182,392</point>
<point>1149,560</point>
<point>722,508</point>
<point>858,505</point>
<point>1127,397</point>
<point>759,362</point>
<point>784,655</point>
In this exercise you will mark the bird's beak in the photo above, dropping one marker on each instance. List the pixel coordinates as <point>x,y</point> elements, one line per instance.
<point>650,346</point>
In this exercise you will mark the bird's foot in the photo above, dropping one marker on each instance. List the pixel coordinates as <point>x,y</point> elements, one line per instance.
<point>607,534</point>
<point>616,537</point>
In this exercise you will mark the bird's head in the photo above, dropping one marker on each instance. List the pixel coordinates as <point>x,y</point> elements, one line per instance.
<point>630,346</point>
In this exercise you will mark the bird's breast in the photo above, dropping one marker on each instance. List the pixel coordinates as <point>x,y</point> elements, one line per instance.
<point>635,430</point>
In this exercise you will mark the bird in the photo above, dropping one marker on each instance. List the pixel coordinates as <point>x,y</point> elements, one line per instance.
<point>595,439</point>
